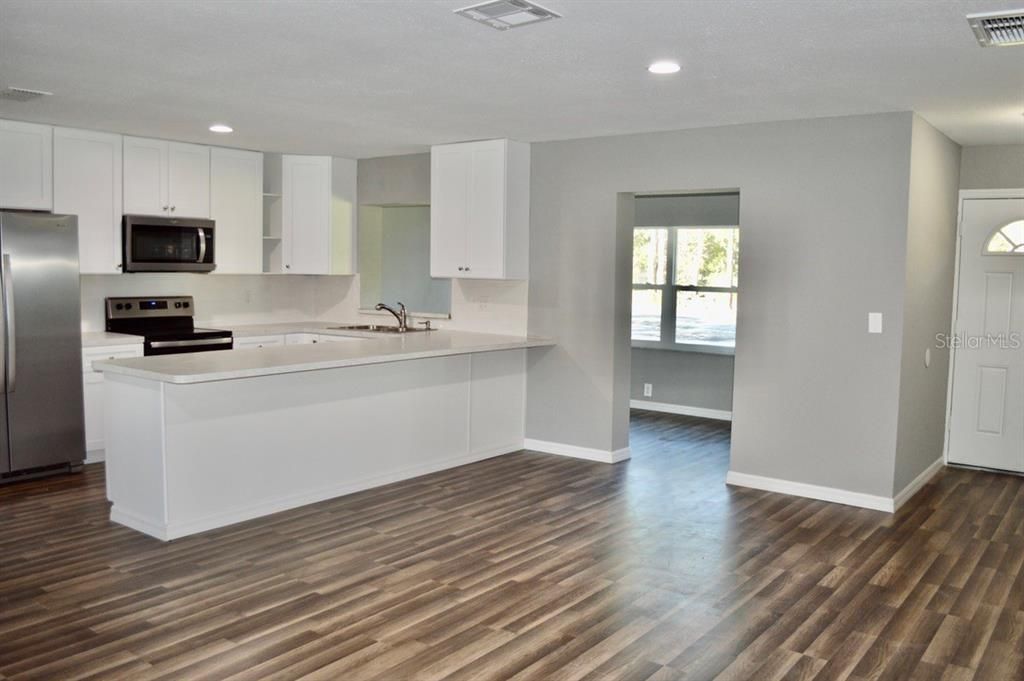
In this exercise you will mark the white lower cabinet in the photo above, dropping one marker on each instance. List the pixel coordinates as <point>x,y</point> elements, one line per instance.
<point>251,342</point>
<point>92,391</point>
<point>310,338</point>
<point>301,338</point>
<point>324,338</point>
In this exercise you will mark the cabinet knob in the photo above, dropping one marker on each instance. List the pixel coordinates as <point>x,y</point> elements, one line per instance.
<point>461,268</point>
<point>166,207</point>
<point>467,268</point>
<point>172,208</point>
<point>287,267</point>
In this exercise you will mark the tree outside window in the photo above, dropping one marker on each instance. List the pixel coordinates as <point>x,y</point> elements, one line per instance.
<point>685,283</point>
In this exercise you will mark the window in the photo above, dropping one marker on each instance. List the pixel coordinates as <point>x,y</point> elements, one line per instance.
<point>684,287</point>
<point>1007,240</point>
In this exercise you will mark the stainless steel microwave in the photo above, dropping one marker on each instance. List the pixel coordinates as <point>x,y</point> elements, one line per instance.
<point>158,244</point>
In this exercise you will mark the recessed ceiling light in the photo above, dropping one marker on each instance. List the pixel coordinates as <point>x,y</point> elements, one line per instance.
<point>221,128</point>
<point>663,67</point>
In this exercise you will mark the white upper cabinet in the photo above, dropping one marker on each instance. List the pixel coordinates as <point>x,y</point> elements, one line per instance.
<point>188,180</point>
<point>145,176</point>
<point>236,206</point>
<point>480,210</point>
<point>26,166</point>
<point>306,214</point>
<point>166,178</point>
<point>87,183</point>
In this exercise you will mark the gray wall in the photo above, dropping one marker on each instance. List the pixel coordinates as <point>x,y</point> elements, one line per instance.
<point>823,212</point>
<point>688,210</point>
<point>994,167</point>
<point>690,379</point>
<point>928,300</point>
<point>395,180</point>
<point>405,262</point>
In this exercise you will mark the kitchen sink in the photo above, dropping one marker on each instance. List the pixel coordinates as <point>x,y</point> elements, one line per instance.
<point>374,328</point>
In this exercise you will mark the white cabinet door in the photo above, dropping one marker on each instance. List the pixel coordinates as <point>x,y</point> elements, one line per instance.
<point>92,403</point>
<point>145,176</point>
<point>166,178</point>
<point>26,166</point>
<point>485,233</point>
<point>87,183</point>
<point>236,206</point>
<point>258,342</point>
<point>450,168</point>
<point>306,214</point>
<point>479,210</point>
<point>188,180</point>
<point>92,384</point>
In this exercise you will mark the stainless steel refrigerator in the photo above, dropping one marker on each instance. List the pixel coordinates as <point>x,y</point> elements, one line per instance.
<point>41,419</point>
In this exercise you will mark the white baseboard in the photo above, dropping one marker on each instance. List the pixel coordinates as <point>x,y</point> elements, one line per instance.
<point>138,523</point>
<point>167,531</point>
<point>917,483</point>
<point>801,489</point>
<point>95,455</point>
<point>701,412</point>
<point>588,453</point>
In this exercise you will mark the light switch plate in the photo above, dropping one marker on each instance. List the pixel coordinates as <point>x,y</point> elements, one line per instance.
<point>874,322</point>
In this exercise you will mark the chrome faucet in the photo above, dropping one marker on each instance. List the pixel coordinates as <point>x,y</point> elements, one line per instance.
<point>402,316</point>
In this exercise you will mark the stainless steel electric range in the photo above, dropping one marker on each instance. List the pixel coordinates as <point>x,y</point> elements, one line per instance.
<point>166,324</point>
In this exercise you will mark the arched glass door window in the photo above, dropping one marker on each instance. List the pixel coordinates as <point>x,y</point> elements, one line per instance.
<point>1007,240</point>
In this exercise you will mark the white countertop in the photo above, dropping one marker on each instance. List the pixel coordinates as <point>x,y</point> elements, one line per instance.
<point>95,339</point>
<point>373,348</point>
<point>280,328</point>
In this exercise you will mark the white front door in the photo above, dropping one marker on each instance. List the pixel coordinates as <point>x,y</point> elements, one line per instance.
<point>987,415</point>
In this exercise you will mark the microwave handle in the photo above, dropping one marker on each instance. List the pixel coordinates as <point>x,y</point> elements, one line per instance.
<point>202,244</point>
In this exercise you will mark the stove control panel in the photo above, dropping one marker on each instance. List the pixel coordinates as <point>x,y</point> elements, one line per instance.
<point>126,308</point>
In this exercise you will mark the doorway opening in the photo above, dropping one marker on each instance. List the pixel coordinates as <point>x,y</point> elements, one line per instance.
<point>985,426</point>
<point>684,294</point>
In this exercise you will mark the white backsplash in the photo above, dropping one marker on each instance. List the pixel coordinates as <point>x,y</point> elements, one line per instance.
<point>234,299</point>
<point>477,305</point>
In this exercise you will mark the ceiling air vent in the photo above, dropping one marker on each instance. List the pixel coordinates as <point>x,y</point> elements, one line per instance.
<point>505,14</point>
<point>20,94</point>
<point>998,29</point>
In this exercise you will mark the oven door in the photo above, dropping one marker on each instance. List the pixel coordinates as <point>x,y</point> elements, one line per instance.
<point>154,244</point>
<point>174,347</point>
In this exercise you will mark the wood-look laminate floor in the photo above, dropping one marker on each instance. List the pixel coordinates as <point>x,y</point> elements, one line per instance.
<point>528,566</point>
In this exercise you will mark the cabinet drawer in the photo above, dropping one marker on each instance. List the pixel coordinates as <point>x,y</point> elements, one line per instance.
<point>258,342</point>
<point>90,355</point>
<point>324,338</point>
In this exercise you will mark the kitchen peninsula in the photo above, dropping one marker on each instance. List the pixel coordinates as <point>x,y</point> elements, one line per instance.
<point>200,441</point>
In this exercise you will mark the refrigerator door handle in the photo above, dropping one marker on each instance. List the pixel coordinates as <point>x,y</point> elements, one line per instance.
<point>11,347</point>
<point>202,244</point>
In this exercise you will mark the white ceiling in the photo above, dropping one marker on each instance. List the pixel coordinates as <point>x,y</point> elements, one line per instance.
<point>379,77</point>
